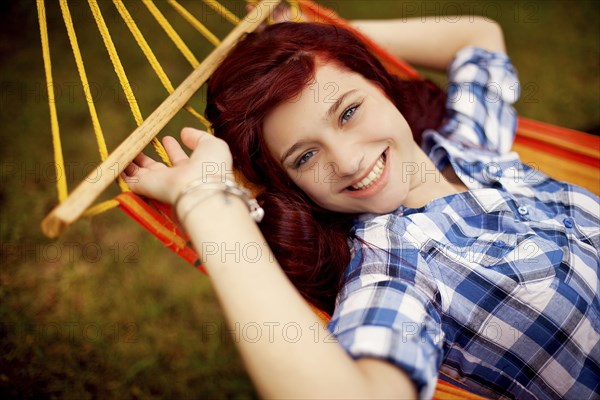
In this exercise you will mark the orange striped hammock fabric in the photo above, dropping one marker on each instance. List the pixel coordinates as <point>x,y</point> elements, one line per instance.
<point>540,145</point>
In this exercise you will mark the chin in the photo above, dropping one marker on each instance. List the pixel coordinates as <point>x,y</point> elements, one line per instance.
<point>373,207</point>
<point>385,209</point>
<point>381,208</point>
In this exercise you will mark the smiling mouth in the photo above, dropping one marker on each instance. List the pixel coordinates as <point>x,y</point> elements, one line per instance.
<point>372,177</point>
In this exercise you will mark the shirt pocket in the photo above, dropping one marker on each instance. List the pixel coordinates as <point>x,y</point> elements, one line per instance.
<point>524,258</point>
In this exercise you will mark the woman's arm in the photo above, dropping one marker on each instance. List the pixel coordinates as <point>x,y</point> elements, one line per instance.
<point>427,41</point>
<point>295,357</point>
<point>432,42</point>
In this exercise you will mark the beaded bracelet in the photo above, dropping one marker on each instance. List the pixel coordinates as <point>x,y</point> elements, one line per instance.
<point>228,187</point>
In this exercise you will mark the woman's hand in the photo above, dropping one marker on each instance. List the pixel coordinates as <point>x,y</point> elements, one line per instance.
<point>210,160</point>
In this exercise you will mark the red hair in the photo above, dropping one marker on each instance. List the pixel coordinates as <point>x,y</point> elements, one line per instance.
<point>261,72</point>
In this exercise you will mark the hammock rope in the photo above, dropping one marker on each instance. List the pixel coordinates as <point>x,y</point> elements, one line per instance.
<point>59,163</point>
<point>154,63</point>
<point>118,66</point>
<point>195,23</point>
<point>122,76</point>
<point>102,207</point>
<point>173,35</point>
<point>79,202</point>
<point>100,141</point>
<point>223,11</point>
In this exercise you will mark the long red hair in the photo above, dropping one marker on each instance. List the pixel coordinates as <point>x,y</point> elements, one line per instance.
<point>266,69</point>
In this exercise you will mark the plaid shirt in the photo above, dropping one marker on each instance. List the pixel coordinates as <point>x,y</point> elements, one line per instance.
<point>496,287</point>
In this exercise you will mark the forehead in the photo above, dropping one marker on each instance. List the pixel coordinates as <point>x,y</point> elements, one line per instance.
<point>328,84</point>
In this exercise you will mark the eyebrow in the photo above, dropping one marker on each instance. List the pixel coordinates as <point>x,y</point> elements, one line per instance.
<point>334,107</point>
<point>330,112</point>
<point>292,149</point>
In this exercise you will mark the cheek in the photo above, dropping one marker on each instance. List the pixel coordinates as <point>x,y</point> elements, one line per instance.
<point>317,177</point>
<point>397,123</point>
<point>310,181</point>
<point>385,122</point>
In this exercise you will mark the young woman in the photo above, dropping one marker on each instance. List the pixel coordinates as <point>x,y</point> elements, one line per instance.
<point>432,244</point>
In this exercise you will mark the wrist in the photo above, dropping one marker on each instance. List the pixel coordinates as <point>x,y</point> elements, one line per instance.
<point>185,205</point>
<point>198,191</point>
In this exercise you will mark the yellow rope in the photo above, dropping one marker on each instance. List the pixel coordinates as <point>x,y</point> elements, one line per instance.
<point>116,61</point>
<point>160,72</point>
<point>83,77</point>
<point>86,87</point>
<point>223,11</point>
<point>59,164</point>
<point>173,35</point>
<point>114,57</point>
<point>100,208</point>
<point>195,23</point>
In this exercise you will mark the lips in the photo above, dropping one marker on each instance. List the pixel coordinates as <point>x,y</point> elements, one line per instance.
<point>372,177</point>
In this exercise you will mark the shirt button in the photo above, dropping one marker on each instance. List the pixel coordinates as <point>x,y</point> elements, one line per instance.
<point>499,243</point>
<point>522,210</point>
<point>568,222</point>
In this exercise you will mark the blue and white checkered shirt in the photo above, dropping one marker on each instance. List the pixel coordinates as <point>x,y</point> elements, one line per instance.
<point>496,287</point>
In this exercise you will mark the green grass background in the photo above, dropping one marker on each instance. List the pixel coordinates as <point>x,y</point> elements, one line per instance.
<point>105,311</point>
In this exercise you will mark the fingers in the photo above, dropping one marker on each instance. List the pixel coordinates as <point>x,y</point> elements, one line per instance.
<point>191,137</point>
<point>131,177</point>
<point>143,180</point>
<point>143,161</point>
<point>130,170</point>
<point>174,150</point>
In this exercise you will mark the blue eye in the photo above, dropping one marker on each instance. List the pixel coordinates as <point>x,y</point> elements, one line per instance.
<point>303,159</point>
<point>349,113</point>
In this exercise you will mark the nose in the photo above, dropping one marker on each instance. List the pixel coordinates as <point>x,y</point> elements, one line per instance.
<point>346,160</point>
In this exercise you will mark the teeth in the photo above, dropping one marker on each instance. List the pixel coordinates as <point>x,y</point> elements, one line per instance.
<point>373,176</point>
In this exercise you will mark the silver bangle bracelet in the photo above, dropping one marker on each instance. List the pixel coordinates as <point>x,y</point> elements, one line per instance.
<point>228,187</point>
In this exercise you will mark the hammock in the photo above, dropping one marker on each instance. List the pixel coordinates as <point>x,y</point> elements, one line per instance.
<point>539,144</point>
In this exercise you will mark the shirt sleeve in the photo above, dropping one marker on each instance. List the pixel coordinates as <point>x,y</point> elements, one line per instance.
<point>482,88</point>
<point>387,317</point>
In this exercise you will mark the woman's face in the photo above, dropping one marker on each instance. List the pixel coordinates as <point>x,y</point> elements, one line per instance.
<point>344,143</point>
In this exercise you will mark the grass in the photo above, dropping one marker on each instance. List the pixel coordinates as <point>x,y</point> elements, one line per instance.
<point>106,311</point>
